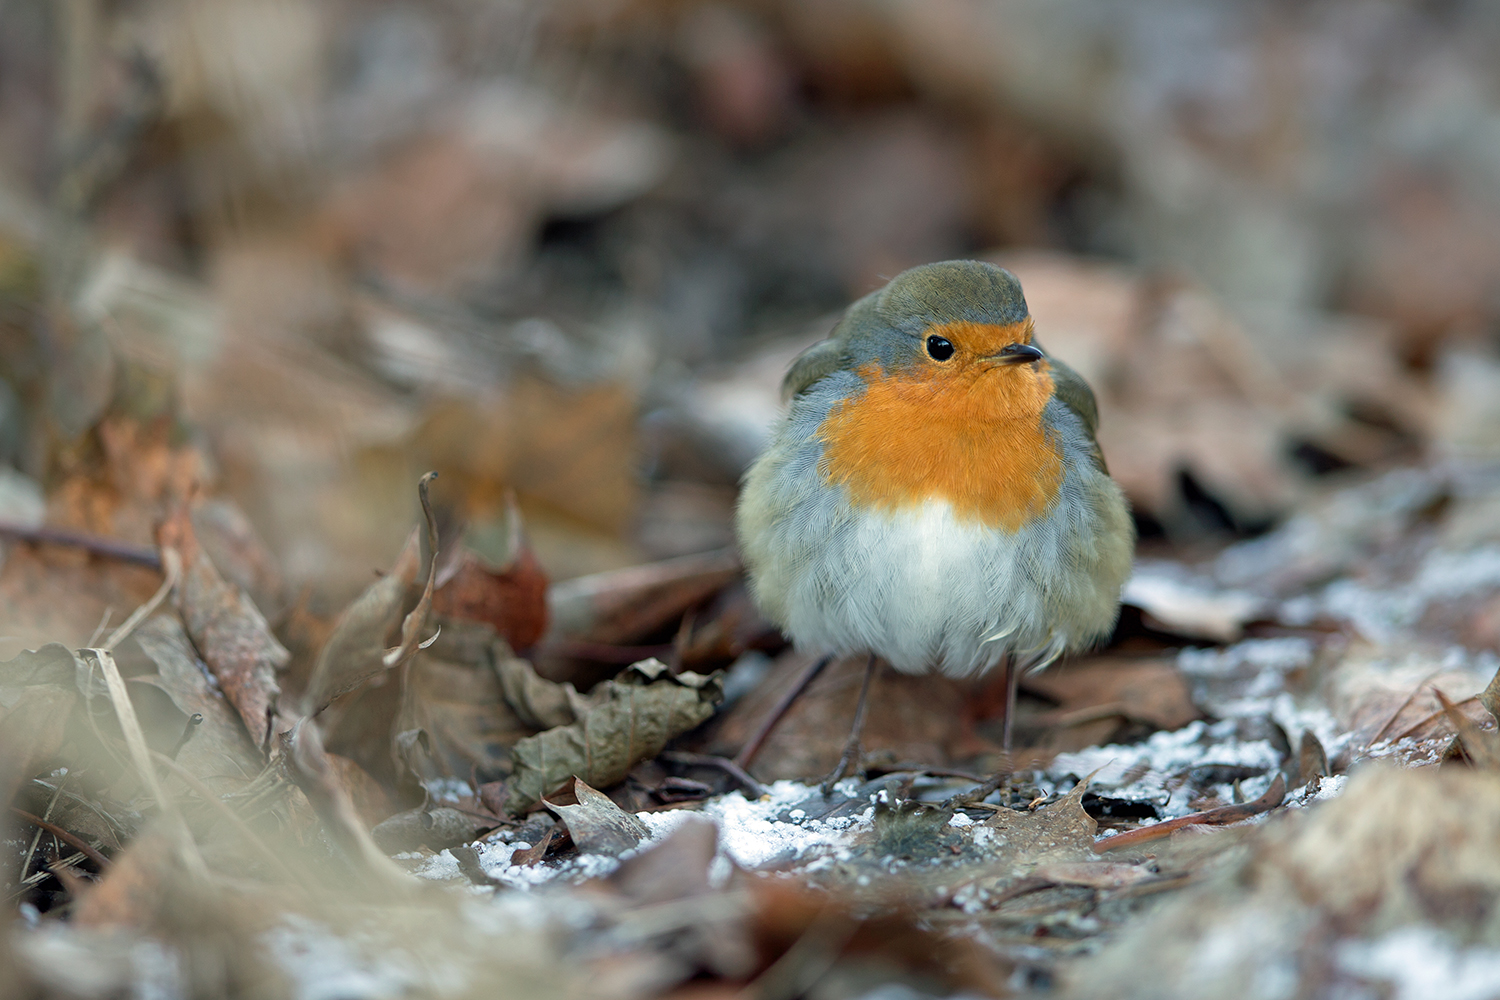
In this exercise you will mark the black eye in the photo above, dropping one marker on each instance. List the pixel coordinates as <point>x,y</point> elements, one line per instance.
<point>939,349</point>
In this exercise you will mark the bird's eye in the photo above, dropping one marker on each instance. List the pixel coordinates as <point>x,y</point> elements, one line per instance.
<point>939,349</point>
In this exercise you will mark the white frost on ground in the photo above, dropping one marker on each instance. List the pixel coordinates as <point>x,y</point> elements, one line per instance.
<point>1423,963</point>
<point>327,965</point>
<point>1151,770</point>
<point>752,834</point>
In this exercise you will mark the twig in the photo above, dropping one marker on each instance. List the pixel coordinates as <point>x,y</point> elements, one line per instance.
<point>112,548</point>
<point>724,764</point>
<point>1404,705</point>
<point>1430,719</point>
<point>46,814</point>
<point>1210,817</point>
<point>63,835</point>
<point>172,569</point>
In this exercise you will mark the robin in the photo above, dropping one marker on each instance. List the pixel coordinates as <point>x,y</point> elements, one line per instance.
<point>934,495</point>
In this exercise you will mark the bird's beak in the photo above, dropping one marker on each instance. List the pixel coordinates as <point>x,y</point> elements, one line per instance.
<point>1017,354</point>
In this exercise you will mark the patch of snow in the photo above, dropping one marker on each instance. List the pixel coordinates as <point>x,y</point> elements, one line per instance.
<point>753,834</point>
<point>448,790</point>
<point>1423,963</point>
<point>1156,766</point>
<point>323,965</point>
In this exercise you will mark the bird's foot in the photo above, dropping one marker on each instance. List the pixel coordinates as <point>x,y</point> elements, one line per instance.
<point>980,792</point>
<point>851,755</point>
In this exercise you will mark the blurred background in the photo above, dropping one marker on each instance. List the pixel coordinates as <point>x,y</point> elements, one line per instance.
<point>293,253</point>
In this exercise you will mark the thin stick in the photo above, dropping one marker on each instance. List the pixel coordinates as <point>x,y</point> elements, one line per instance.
<point>172,569</point>
<point>752,746</point>
<point>724,764</point>
<point>1428,720</point>
<point>112,548</point>
<point>1211,817</point>
<point>46,814</point>
<point>140,755</point>
<point>64,836</point>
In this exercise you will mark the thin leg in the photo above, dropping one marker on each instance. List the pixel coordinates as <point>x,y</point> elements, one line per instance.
<point>851,752</point>
<point>1012,681</point>
<point>1012,677</point>
<point>752,746</point>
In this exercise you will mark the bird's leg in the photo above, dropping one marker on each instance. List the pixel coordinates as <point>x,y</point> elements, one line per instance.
<point>753,744</point>
<point>851,748</point>
<point>1011,675</point>
<point>1012,681</point>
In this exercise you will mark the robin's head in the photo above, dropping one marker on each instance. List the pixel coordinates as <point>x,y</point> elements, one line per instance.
<point>958,324</point>
<point>953,398</point>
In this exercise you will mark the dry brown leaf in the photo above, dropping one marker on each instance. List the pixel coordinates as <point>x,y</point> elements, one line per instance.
<point>631,719</point>
<point>923,719</point>
<point>621,606</point>
<point>217,750</point>
<point>1150,691</point>
<point>597,825</point>
<point>227,629</point>
<point>1059,830</point>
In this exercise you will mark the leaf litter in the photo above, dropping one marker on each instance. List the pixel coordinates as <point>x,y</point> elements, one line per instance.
<point>515,760</point>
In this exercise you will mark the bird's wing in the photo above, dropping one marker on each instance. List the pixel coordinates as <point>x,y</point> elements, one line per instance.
<point>1074,393</point>
<point>823,358</point>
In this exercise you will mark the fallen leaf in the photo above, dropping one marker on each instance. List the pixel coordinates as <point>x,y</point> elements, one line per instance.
<point>597,825</point>
<point>622,606</point>
<point>1151,691</point>
<point>217,750</point>
<point>356,650</point>
<point>511,598</point>
<point>227,629</point>
<point>1058,830</point>
<point>631,719</point>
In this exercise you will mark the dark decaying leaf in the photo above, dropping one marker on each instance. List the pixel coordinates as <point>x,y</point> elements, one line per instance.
<point>511,597</point>
<point>598,825</point>
<point>631,719</point>
<point>538,702</point>
<point>227,629</point>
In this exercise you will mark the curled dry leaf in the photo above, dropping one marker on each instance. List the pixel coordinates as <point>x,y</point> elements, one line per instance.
<point>228,630</point>
<point>598,825</point>
<point>631,719</point>
<point>356,650</point>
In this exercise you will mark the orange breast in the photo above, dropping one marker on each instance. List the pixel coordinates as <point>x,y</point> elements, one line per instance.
<point>971,435</point>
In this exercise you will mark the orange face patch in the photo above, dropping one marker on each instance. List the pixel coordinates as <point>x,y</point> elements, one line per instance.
<point>967,430</point>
